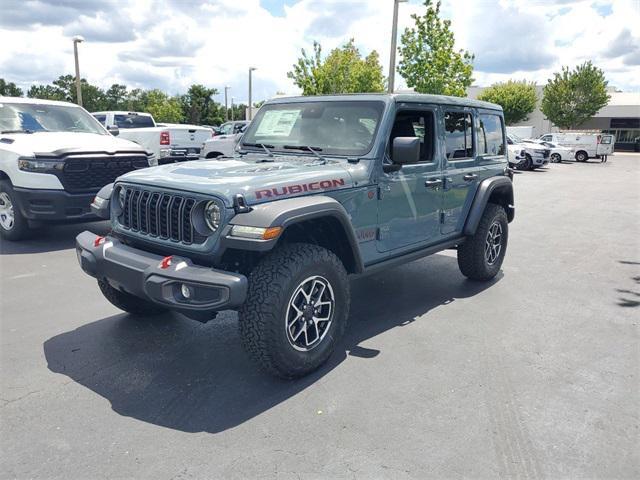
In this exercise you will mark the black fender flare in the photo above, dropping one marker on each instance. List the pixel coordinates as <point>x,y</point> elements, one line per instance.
<point>487,187</point>
<point>101,205</point>
<point>287,212</point>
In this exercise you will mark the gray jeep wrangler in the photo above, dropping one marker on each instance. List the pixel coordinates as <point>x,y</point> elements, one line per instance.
<point>320,188</point>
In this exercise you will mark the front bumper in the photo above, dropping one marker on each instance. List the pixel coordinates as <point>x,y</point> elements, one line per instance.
<point>175,155</point>
<point>54,205</point>
<point>140,273</point>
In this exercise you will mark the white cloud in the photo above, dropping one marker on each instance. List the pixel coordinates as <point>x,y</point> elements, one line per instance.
<point>171,44</point>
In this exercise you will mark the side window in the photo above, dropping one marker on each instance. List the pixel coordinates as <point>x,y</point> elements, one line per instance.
<point>546,138</point>
<point>490,140</point>
<point>101,118</point>
<point>416,123</point>
<point>225,129</point>
<point>458,135</point>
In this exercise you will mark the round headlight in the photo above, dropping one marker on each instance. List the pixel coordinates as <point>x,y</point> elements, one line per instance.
<point>212,215</point>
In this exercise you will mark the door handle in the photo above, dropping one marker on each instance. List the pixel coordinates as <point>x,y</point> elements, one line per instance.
<point>433,183</point>
<point>470,177</point>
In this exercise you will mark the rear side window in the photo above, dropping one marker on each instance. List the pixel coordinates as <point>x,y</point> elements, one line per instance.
<point>490,139</point>
<point>458,135</point>
<point>606,140</point>
<point>133,121</point>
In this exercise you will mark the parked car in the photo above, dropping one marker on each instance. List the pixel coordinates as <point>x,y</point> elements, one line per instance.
<point>534,155</point>
<point>54,157</point>
<point>585,145</point>
<point>558,152</point>
<point>233,127</point>
<point>170,142</point>
<point>329,186</point>
<point>223,144</point>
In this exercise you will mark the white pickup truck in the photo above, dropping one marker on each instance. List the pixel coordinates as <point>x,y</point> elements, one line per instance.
<point>169,142</point>
<point>54,158</point>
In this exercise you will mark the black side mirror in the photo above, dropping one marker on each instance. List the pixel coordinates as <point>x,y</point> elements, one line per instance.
<point>113,130</point>
<point>406,150</point>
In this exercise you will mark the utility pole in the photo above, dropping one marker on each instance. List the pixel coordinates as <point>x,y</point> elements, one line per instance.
<point>232,109</point>
<point>76,40</point>
<point>226,108</point>
<point>394,39</point>
<point>250,111</point>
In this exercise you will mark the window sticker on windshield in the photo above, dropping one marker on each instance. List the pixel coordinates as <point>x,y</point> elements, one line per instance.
<point>277,123</point>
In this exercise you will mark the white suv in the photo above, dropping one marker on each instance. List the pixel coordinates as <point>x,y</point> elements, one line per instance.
<point>54,157</point>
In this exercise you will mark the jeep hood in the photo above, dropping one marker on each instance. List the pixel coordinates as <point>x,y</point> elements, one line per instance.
<point>257,181</point>
<point>28,144</point>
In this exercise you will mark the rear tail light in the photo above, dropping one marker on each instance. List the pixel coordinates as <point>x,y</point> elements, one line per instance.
<point>165,139</point>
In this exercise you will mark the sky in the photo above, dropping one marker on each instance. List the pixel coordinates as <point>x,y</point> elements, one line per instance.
<point>171,44</point>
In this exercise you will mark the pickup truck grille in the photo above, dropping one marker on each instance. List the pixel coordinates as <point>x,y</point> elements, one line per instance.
<point>160,215</point>
<point>90,174</point>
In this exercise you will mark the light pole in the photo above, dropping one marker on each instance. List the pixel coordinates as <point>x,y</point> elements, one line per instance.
<point>394,39</point>
<point>250,112</point>
<point>76,40</point>
<point>232,109</point>
<point>226,108</point>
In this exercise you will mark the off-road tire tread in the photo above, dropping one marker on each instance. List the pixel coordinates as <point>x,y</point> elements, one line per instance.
<point>471,253</point>
<point>129,303</point>
<point>257,317</point>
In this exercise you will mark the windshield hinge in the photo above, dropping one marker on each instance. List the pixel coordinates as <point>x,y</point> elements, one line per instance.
<point>240,204</point>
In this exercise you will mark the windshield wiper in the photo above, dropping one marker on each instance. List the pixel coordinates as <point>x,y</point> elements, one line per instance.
<point>261,145</point>
<point>313,150</point>
<point>17,131</point>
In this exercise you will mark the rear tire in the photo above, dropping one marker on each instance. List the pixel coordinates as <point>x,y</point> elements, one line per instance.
<point>296,310</point>
<point>129,303</point>
<point>581,156</point>
<point>481,255</point>
<point>13,226</point>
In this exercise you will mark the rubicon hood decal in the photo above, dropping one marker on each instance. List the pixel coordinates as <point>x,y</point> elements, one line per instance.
<point>299,188</point>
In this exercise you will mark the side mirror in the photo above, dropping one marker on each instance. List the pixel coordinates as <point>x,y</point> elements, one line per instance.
<point>113,130</point>
<point>406,150</point>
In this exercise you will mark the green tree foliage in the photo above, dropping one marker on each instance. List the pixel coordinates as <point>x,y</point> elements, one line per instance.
<point>343,71</point>
<point>573,96</point>
<point>9,89</point>
<point>430,63</point>
<point>163,107</point>
<point>517,99</point>
<point>198,106</point>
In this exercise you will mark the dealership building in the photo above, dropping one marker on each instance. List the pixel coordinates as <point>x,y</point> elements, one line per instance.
<point>621,117</point>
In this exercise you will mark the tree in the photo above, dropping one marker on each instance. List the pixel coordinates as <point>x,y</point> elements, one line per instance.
<point>571,97</point>
<point>517,99</point>
<point>198,105</point>
<point>45,92</point>
<point>9,89</point>
<point>163,107</point>
<point>116,97</point>
<point>430,63</point>
<point>343,71</point>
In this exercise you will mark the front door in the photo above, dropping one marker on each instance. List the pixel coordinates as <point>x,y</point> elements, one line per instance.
<point>409,199</point>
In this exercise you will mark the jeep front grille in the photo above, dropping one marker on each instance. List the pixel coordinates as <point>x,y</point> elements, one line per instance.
<point>160,215</point>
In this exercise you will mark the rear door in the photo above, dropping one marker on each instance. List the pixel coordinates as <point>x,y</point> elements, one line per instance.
<point>461,174</point>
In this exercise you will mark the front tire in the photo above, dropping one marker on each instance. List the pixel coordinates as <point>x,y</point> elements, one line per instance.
<point>555,158</point>
<point>296,310</point>
<point>127,302</point>
<point>481,255</point>
<point>528,163</point>
<point>13,226</point>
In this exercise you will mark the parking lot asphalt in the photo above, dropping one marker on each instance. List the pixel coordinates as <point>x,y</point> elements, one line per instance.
<point>534,375</point>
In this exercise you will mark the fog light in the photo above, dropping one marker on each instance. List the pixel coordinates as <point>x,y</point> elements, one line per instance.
<point>186,291</point>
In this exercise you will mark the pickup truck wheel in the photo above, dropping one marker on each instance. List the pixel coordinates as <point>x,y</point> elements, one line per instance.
<point>528,163</point>
<point>555,158</point>
<point>127,302</point>
<point>480,256</point>
<point>13,226</point>
<point>296,310</point>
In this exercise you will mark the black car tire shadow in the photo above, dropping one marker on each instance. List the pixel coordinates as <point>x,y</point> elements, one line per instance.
<point>195,377</point>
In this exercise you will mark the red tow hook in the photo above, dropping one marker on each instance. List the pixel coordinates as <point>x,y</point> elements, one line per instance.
<point>99,241</point>
<point>166,262</point>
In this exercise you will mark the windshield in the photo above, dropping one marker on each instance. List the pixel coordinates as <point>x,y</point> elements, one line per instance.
<point>133,120</point>
<point>332,128</point>
<point>18,117</point>
<point>515,138</point>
